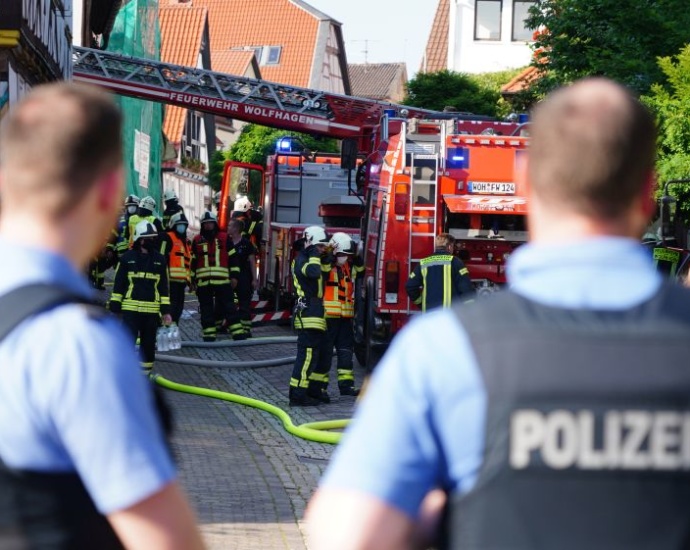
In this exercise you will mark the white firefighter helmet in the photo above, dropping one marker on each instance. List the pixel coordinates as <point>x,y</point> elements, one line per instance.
<point>216,197</point>
<point>177,218</point>
<point>209,217</point>
<point>315,234</point>
<point>132,200</point>
<point>169,195</point>
<point>148,203</point>
<point>341,243</point>
<point>242,204</point>
<point>143,230</point>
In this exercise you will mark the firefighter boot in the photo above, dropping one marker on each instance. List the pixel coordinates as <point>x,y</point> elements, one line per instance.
<point>348,388</point>
<point>317,390</point>
<point>299,398</point>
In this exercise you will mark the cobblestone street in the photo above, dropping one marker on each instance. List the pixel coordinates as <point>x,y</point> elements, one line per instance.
<point>248,479</point>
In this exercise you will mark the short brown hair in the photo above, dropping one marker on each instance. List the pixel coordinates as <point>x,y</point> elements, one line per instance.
<point>444,239</point>
<point>57,142</point>
<point>592,148</point>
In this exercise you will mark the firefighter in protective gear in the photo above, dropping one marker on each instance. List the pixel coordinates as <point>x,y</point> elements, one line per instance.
<point>440,279</point>
<point>172,206</point>
<point>141,292</point>
<point>131,207</point>
<point>179,263</point>
<point>339,304</point>
<point>251,218</point>
<point>145,212</point>
<point>308,319</point>
<point>242,254</point>
<point>211,273</point>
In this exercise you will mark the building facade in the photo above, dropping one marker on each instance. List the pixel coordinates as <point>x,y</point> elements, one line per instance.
<point>477,36</point>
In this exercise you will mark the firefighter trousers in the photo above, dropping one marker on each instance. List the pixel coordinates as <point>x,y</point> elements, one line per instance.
<point>217,302</point>
<point>309,342</point>
<point>144,327</point>
<point>177,296</point>
<point>244,305</point>
<point>339,335</point>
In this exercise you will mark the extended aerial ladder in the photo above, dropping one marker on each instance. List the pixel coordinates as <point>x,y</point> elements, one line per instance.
<point>242,98</point>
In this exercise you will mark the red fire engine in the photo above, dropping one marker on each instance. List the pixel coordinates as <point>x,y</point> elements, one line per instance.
<point>456,177</point>
<point>296,191</point>
<point>419,178</point>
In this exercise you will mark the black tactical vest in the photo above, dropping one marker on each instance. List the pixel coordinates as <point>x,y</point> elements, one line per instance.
<point>46,510</point>
<point>587,429</point>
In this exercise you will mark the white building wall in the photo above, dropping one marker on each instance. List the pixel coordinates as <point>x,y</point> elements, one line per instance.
<point>467,55</point>
<point>194,196</point>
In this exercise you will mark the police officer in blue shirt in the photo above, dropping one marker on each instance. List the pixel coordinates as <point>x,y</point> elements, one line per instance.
<point>553,415</point>
<point>83,458</point>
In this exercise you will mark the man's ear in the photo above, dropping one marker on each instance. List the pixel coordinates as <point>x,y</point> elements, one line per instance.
<point>648,202</point>
<point>110,190</point>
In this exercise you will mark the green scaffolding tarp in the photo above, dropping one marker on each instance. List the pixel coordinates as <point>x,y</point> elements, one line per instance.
<point>136,32</point>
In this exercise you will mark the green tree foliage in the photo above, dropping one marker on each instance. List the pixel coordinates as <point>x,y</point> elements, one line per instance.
<point>258,142</point>
<point>442,89</point>
<point>215,169</point>
<point>670,101</point>
<point>495,81</point>
<point>620,40</point>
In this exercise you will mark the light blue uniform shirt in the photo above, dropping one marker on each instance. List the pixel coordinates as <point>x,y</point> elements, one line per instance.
<point>72,397</point>
<point>421,424</point>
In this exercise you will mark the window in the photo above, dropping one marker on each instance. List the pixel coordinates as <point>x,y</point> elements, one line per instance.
<point>487,20</point>
<point>520,13</point>
<point>273,57</point>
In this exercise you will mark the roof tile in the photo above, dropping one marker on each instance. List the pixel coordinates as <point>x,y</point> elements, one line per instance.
<point>182,30</point>
<point>376,80</point>
<point>245,23</point>
<point>436,53</point>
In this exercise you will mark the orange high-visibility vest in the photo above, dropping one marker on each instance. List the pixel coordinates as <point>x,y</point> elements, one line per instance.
<point>339,294</point>
<point>180,258</point>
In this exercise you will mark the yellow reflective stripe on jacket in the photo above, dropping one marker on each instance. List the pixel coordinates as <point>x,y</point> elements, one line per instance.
<point>215,271</point>
<point>447,278</point>
<point>310,322</point>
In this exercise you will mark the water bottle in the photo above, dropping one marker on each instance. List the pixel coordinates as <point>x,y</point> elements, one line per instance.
<point>162,342</point>
<point>175,342</point>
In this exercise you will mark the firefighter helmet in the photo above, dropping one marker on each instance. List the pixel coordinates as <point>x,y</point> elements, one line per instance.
<point>216,198</point>
<point>144,230</point>
<point>148,203</point>
<point>177,218</point>
<point>209,217</point>
<point>341,243</point>
<point>132,200</point>
<point>242,204</point>
<point>169,195</point>
<point>315,234</point>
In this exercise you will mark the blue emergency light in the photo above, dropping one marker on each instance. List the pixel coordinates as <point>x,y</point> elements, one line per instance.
<point>284,145</point>
<point>457,158</point>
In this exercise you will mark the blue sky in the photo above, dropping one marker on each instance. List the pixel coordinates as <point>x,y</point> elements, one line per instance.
<point>396,30</point>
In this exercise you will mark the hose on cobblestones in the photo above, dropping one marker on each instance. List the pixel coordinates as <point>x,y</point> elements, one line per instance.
<point>254,364</point>
<point>311,431</point>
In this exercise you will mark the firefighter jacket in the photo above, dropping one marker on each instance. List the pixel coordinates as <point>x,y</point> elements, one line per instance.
<point>239,258</point>
<point>339,291</point>
<point>438,280</point>
<point>141,284</point>
<point>179,257</point>
<point>169,212</point>
<point>253,225</point>
<point>587,424</point>
<point>134,219</point>
<point>122,242</point>
<point>308,275</point>
<point>210,261</point>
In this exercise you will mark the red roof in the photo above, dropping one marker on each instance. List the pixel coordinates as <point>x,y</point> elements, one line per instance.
<point>290,24</point>
<point>436,53</point>
<point>182,30</point>
<point>234,62</point>
<point>521,81</point>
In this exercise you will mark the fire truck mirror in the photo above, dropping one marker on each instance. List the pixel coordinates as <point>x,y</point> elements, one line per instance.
<point>348,154</point>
